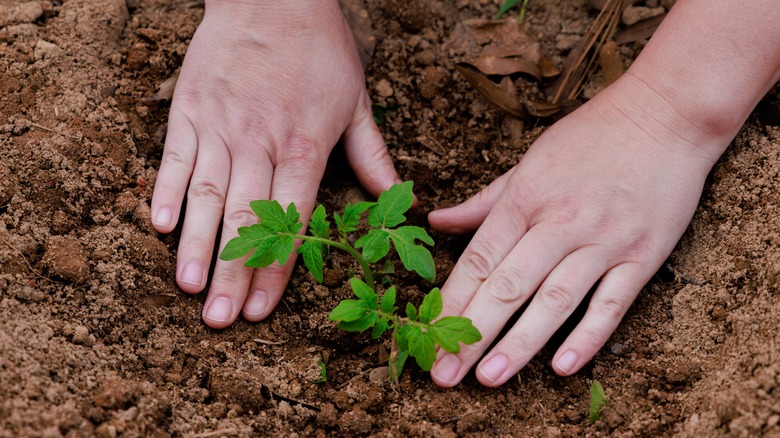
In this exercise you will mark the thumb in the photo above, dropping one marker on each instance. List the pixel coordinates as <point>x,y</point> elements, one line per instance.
<point>367,153</point>
<point>469,215</point>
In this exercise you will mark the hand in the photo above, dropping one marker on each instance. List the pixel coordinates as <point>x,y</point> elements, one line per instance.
<point>265,92</point>
<point>600,199</point>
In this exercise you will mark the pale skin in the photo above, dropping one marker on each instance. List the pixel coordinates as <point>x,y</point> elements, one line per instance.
<point>600,199</point>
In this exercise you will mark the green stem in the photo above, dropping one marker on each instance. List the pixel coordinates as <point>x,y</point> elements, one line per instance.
<point>352,251</point>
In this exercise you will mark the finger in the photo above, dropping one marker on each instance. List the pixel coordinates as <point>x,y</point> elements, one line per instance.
<point>367,153</point>
<point>249,181</point>
<point>552,304</point>
<point>500,232</point>
<point>296,180</point>
<point>469,215</point>
<point>501,295</point>
<point>609,304</point>
<point>178,161</point>
<point>205,204</point>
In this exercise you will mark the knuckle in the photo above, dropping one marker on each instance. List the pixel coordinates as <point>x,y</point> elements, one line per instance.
<point>478,261</point>
<point>175,157</point>
<point>612,308</point>
<point>557,299</point>
<point>507,287</point>
<point>206,191</point>
<point>240,217</point>
<point>301,150</point>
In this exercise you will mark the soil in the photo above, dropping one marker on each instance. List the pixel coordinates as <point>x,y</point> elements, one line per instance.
<point>96,339</point>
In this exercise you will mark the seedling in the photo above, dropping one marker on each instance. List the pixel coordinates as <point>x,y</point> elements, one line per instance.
<point>419,332</point>
<point>323,371</point>
<point>597,401</point>
<point>509,4</point>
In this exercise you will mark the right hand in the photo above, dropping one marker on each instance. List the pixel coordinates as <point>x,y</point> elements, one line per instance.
<point>265,92</point>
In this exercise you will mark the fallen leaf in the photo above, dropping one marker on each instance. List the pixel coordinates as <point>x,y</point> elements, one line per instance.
<point>547,67</point>
<point>493,65</point>
<point>611,64</point>
<point>165,92</point>
<point>516,126</point>
<point>500,38</point>
<point>544,109</point>
<point>639,31</point>
<point>357,17</point>
<point>599,4</point>
<point>493,93</point>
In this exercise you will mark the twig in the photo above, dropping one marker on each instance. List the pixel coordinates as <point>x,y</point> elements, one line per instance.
<point>26,261</point>
<point>222,432</point>
<point>266,342</point>
<point>54,131</point>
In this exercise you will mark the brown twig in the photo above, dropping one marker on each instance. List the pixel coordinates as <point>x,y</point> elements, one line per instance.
<point>54,131</point>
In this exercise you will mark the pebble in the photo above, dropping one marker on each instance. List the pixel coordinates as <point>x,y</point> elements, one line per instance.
<point>47,50</point>
<point>619,349</point>
<point>379,375</point>
<point>22,13</point>
<point>383,88</point>
<point>81,336</point>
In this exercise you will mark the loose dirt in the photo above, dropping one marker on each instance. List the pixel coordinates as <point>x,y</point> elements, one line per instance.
<point>96,339</point>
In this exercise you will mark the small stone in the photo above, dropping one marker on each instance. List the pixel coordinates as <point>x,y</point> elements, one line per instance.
<point>379,374</point>
<point>65,258</point>
<point>619,349</point>
<point>633,14</point>
<point>383,88</point>
<point>106,430</point>
<point>772,421</point>
<point>81,336</point>
<point>47,50</point>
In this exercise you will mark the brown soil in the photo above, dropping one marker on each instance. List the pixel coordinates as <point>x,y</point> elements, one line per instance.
<point>95,338</point>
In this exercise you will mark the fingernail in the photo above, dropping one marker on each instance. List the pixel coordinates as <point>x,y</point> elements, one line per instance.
<point>220,310</point>
<point>256,304</point>
<point>446,368</point>
<point>494,368</point>
<point>163,217</point>
<point>192,274</point>
<point>567,361</point>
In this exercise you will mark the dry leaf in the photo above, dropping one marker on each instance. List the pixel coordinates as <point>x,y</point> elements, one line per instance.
<point>357,17</point>
<point>500,38</point>
<point>547,67</point>
<point>639,31</point>
<point>599,4</point>
<point>611,64</point>
<point>544,109</point>
<point>492,65</point>
<point>581,61</point>
<point>494,94</point>
<point>516,126</point>
<point>166,89</point>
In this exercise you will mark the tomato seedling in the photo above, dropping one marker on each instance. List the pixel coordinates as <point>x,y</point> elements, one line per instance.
<point>419,332</point>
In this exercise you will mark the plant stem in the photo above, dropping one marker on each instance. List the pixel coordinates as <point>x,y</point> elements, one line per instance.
<point>345,247</point>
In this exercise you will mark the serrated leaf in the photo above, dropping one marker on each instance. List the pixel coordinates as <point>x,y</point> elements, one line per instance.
<point>379,328</point>
<point>422,347</point>
<point>450,330</point>
<point>312,258</point>
<point>391,206</point>
<point>387,304</point>
<point>349,310</point>
<point>415,257</point>
<point>272,239</point>
<point>349,222</point>
<point>598,399</point>
<point>411,312</point>
<point>431,306</point>
<point>402,337</point>
<point>365,293</point>
<point>360,325</point>
<point>318,225</point>
<point>375,244</point>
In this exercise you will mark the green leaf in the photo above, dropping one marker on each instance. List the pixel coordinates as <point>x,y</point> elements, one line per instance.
<point>508,4</point>
<point>375,244</point>
<point>402,337</point>
<point>365,293</point>
<point>273,239</point>
<point>349,310</point>
<point>312,257</point>
<point>598,399</point>
<point>361,324</point>
<point>422,347</point>
<point>415,257</point>
<point>349,222</point>
<point>391,206</point>
<point>323,372</point>
<point>387,304</point>
<point>411,312</point>
<point>431,306</point>
<point>380,328</point>
<point>318,225</point>
<point>450,330</point>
